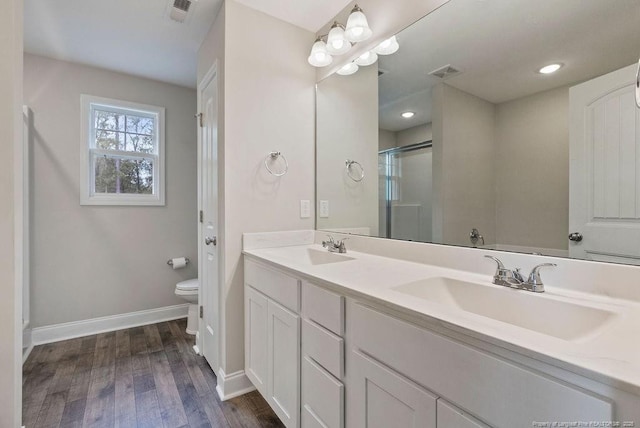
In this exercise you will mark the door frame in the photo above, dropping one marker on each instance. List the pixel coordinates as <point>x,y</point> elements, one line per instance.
<point>209,77</point>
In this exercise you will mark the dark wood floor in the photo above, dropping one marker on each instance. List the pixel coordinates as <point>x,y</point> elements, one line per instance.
<point>141,377</point>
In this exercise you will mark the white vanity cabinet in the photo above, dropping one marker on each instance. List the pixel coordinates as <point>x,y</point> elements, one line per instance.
<point>497,392</point>
<point>324,360</point>
<point>272,339</point>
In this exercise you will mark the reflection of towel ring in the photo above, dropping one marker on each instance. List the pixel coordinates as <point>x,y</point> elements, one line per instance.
<point>272,157</point>
<point>349,164</point>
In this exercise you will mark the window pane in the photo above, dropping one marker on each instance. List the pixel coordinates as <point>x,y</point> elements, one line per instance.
<point>109,140</point>
<point>140,125</point>
<point>123,176</point>
<point>109,121</point>
<point>139,143</point>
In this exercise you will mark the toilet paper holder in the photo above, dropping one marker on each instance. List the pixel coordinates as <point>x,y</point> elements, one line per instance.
<point>186,259</point>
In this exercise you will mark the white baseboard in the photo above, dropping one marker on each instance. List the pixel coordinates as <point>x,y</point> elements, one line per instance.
<point>71,330</point>
<point>233,385</point>
<point>27,343</point>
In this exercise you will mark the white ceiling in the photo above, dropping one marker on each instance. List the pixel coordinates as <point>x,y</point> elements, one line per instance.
<point>137,36</point>
<point>500,44</point>
<point>131,36</point>
<point>311,15</point>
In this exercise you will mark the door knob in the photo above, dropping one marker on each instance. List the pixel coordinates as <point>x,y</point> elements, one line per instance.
<point>575,237</point>
<point>209,241</point>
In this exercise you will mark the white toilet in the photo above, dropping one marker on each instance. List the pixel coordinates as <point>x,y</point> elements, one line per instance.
<point>188,290</point>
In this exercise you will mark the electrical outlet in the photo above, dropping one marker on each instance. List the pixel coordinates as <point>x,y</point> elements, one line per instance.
<point>324,209</point>
<point>305,208</point>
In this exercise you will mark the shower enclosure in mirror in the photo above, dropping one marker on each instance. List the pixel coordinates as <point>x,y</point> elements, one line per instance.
<point>499,124</point>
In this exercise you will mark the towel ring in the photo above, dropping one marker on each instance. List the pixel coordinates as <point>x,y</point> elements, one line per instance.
<point>272,157</point>
<point>349,163</point>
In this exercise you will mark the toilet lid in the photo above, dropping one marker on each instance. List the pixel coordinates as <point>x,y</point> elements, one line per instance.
<point>190,284</point>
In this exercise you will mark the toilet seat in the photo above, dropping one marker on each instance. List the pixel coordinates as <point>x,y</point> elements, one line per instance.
<point>188,285</point>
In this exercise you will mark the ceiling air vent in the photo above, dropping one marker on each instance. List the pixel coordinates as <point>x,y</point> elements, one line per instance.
<point>445,72</point>
<point>179,10</point>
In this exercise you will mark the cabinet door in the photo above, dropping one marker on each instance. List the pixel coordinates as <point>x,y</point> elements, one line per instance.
<point>283,363</point>
<point>255,338</point>
<point>381,398</point>
<point>450,416</point>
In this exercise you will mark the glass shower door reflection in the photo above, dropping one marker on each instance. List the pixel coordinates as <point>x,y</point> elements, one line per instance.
<point>406,185</point>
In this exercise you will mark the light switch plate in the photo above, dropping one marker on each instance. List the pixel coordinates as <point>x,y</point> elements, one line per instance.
<point>324,209</point>
<point>305,208</point>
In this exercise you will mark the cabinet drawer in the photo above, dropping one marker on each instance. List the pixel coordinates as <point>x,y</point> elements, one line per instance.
<point>324,347</point>
<point>322,397</point>
<point>278,286</point>
<point>323,307</point>
<point>496,391</point>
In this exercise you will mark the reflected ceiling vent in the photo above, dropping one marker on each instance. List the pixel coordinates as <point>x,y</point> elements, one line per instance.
<point>179,10</point>
<point>445,72</point>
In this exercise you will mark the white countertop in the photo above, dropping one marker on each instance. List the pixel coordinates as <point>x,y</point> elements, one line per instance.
<point>611,355</point>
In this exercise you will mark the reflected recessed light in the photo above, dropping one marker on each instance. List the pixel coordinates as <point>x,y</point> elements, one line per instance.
<point>408,114</point>
<point>551,68</point>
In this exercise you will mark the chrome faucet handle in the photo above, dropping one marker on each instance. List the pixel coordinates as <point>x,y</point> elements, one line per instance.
<point>497,260</point>
<point>534,276</point>
<point>503,276</point>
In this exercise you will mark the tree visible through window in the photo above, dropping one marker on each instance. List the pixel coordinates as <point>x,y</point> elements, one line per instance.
<point>124,150</point>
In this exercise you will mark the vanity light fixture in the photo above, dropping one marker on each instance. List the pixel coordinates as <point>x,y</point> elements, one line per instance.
<point>337,44</point>
<point>357,26</point>
<point>551,68</point>
<point>319,56</point>
<point>348,69</point>
<point>366,59</point>
<point>408,114</point>
<point>387,47</point>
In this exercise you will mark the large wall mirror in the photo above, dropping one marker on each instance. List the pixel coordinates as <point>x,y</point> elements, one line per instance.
<point>463,137</point>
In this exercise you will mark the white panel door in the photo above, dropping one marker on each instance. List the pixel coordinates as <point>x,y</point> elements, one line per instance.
<point>381,398</point>
<point>605,168</point>
<point>208,263</point>
<point>283,369</point>
<point>255,336</point>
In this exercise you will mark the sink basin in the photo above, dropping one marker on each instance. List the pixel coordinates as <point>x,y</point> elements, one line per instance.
<point>560,319</point>
<point>318,257</point>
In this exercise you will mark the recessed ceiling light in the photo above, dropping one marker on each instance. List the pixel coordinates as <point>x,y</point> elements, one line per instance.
<point>551,68</point>
<point>408,114</point>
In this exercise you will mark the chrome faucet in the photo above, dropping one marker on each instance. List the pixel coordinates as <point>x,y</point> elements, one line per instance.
<point>514,279</point>
<point>335,246</point>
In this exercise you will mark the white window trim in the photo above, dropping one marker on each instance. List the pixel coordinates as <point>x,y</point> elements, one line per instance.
<point>87,139</point>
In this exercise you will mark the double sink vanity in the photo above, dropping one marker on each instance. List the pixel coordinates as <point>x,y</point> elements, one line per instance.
<point>376,337</point>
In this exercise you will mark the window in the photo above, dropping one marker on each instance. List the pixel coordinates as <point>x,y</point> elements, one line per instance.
<point>122,157</point>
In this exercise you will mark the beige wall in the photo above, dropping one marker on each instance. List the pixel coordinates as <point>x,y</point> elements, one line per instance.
<point>463,159</point>
<point>269,104</point>
<point>532,181</point>
<point>347,128</point>
<point>92,261</point>
<point>417,134</point>
<point>10,136</point>
<point>386,139</point>
<point>406,137</point>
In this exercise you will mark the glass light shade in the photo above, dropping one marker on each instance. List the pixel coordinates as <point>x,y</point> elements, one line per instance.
<point>366,58</point>
<point>387,47</point>
<point>336,42</point>
<point>319,56</point>
<point>348,69</point>
<point>357,26</point>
